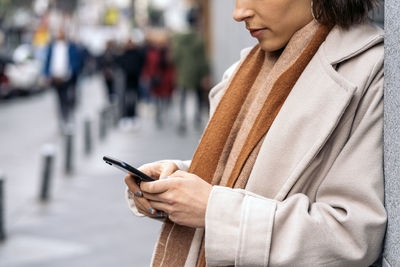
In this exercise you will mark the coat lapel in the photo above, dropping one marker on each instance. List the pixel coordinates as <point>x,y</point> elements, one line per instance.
<point>308,117</point>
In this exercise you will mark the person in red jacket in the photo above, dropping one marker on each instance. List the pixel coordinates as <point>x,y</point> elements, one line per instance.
<point>163,84</point>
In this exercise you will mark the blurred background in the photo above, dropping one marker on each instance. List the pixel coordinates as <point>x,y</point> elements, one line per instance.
<point>80,79</point>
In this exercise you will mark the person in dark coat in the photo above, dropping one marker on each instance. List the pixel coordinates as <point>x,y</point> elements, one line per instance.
<point>108,65</point>
<point>131,62</point>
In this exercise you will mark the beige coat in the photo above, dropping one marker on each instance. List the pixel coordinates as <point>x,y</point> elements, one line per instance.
<point>315,194</point>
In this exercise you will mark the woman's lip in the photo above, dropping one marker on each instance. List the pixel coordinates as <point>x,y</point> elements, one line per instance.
<point>256,32</point>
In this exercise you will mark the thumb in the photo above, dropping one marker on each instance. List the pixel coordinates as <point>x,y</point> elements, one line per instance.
<point>168,170</point>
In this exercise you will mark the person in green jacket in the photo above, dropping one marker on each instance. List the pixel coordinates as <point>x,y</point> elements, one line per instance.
<point>192,67</point>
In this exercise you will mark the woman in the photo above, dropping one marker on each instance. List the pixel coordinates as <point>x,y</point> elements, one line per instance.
<point>289,169</point>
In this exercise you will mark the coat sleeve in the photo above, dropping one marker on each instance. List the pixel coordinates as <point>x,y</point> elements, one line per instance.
<point>343,226</point>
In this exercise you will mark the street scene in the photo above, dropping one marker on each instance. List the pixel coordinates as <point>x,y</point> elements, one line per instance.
<point>85,221</point>
<point>130,79</point>
<point>60,204</point>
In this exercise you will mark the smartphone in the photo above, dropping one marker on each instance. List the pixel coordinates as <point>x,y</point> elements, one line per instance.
<point>125,167</point>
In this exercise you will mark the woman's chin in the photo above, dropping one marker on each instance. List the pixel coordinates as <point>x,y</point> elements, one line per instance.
<point>271,47</point>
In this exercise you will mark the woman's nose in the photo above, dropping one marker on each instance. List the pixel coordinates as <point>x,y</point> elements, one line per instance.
<point>242,11</point>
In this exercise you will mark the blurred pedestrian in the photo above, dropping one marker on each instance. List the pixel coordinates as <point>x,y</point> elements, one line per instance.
<point>289,171</point>
<point>108,67</point>
<point>131,62</point>
<point>192,67</point>
<point>163,85</point>
<point>150,74</point>
<point>61,67</point>
<point>77,65</point>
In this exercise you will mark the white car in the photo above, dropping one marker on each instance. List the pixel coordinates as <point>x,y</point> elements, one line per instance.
<point>25,71</point>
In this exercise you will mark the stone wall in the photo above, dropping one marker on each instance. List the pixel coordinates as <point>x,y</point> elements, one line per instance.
<point>392,132</point>
<point>228,37</point>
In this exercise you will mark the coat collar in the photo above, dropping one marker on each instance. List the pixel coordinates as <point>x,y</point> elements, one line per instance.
<point>310,114</point>
<point>305,122</point>
<point>341,45</point>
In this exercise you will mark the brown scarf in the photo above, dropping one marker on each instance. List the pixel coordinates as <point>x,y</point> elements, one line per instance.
<point>175,240</point>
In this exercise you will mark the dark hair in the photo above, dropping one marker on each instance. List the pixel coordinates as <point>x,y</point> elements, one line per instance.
<point>343,13</point>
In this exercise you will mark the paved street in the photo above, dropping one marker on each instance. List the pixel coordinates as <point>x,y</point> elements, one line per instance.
<point>86,222</point>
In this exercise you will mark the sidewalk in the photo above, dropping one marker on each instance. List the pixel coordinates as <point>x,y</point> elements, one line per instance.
<point>86,222</point>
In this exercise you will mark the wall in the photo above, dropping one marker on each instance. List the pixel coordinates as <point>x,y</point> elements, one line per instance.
<point>392,132</point>
<point>228,37</point>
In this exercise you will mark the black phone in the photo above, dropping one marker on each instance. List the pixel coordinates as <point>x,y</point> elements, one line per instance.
<point>125,167</point>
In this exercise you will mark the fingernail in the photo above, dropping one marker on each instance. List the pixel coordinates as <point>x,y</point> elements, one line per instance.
<point>151,210</point>
<point>139,194</point>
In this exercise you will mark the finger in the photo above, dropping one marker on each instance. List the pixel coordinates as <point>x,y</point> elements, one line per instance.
<point>168,170</point>
<point>160,206</point>
<point>140,206</point>
<point>143,168</point>
<point>165,173</point>
<point>149,169</point>
<point>180,174</point>
<point>132,185</point>
<point>146,168</point>
<point>154,197</point>
<point>153,212</point>
<point>156,187</point>
<point>144,206</point>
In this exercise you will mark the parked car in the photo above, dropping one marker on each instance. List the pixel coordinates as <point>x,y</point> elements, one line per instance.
<point>24,72</point>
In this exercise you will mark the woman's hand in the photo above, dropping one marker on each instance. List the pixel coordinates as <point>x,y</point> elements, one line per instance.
<point>156,170</point>
<point>183,196</point>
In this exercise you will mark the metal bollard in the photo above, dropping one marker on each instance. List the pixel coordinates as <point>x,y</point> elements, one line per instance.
<point>2,217</point>
<point>48,153</point>
<point>69,143</point>
<point>109,116</point>
<point>116,113</point>
<point>103,124</point>
<point>88,137</point>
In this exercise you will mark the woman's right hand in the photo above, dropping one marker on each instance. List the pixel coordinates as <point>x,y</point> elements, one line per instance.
<point>156,170</point>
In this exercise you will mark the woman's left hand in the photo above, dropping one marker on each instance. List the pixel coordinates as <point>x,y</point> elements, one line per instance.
<point>182,195</point>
